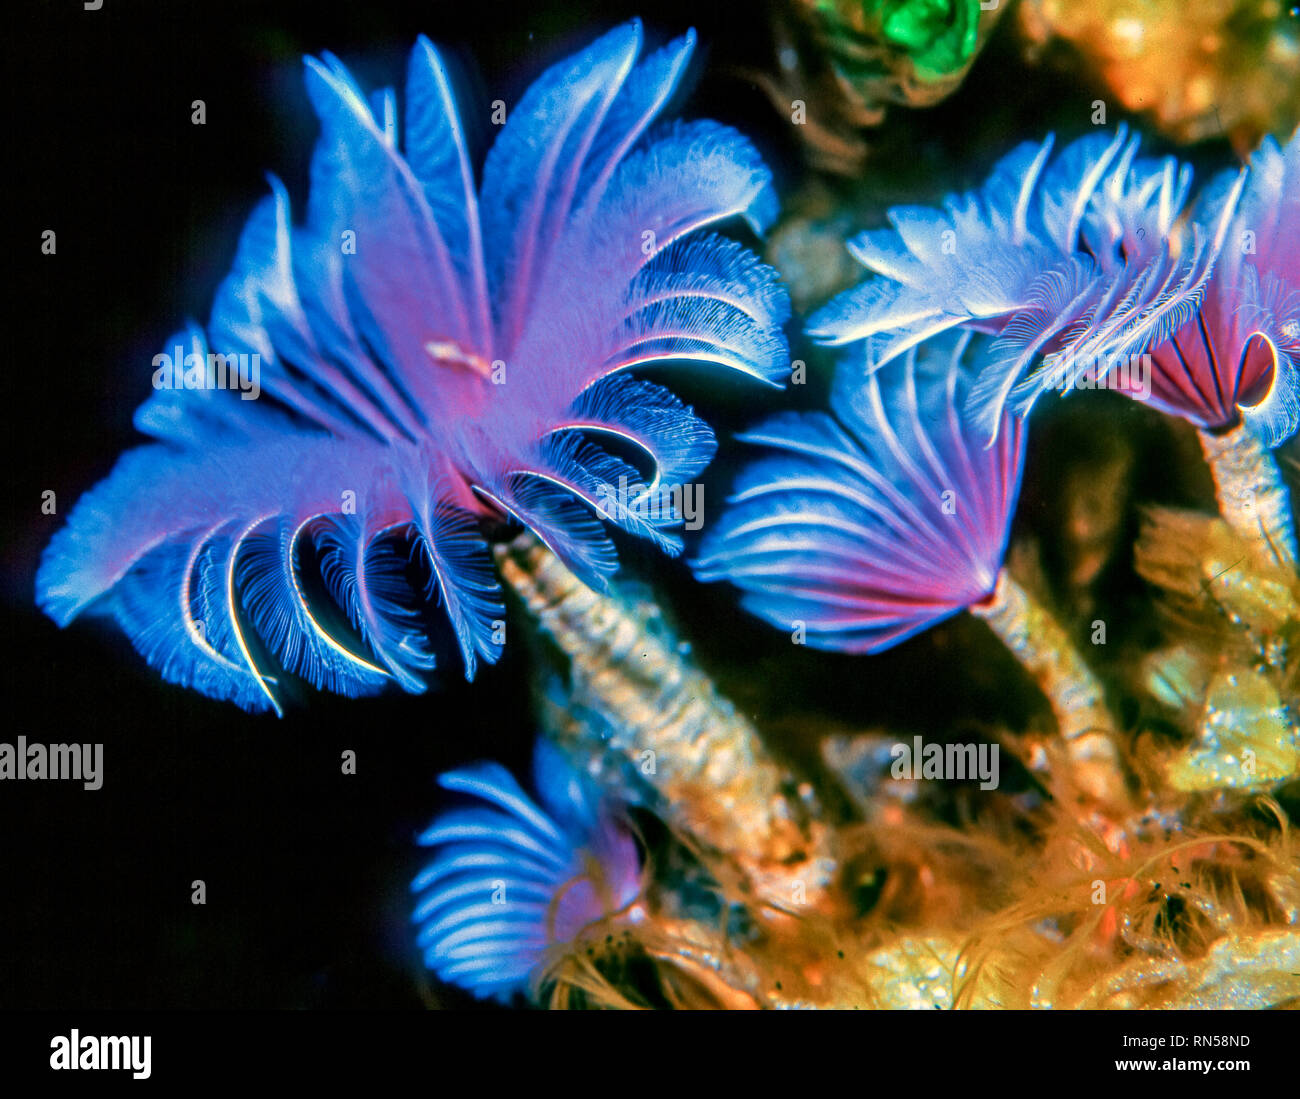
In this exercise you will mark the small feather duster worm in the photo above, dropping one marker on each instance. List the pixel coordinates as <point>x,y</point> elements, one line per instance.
<point>433,354</point>
<point>880,521</point>
<point>513,881</point>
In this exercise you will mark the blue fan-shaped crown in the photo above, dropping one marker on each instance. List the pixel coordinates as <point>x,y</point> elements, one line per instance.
<point>422,354</point>
<point>877,522</point>
<point>1075,262</point>
<point>514,879</point>
<point>1237,358</point>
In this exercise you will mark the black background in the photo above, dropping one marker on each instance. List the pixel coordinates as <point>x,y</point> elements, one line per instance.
<point>306,869</point>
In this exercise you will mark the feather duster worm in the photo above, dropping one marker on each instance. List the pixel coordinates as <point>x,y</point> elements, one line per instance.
<point>513,883</point>
<point>1082,263</point>
<point>1068,260</point>
<point>891,516</point>
<point>433,353</point>
<point>1233,369</point>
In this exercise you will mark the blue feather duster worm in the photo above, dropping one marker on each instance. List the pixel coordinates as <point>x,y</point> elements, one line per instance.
<point>431,353</point>
<point>1237,357</point>
<point>893,514</point>
<point>513,881</point>
<point>881,520</point>
<point>1075,262</point>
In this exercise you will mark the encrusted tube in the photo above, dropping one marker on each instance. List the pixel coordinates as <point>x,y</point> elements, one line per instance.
<point>710,767</point>
<point>1253,499</point>
<point>1037,640</point>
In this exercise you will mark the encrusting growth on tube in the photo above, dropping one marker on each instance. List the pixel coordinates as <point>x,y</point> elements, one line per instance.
<point>1045,651</point>
<point>712,770</point>
<point>1253,499</point>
